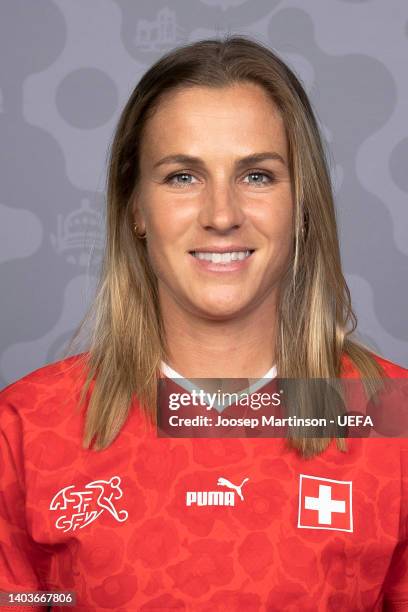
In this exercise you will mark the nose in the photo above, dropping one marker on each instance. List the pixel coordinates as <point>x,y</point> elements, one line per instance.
<point>221,208</point>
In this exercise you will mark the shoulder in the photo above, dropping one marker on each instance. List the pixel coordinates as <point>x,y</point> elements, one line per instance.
<point>392,369</point>
<point>58,380</point>
<point>41,412</point>
<point>389,368</point>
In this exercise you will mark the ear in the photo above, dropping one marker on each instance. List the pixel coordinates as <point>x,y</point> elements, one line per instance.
<point>138,216</point>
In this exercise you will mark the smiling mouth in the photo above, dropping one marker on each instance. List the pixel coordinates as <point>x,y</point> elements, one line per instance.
<point>222,258</point>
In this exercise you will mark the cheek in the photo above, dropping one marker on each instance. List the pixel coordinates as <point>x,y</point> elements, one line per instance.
<point>166,216</point>
<point>276,222</point>
<point>285,241</point>
<point>157,226</point>
<point>158,263</point>
<point>160,247</point>
<point>169,228</point>
<point>280,235</point>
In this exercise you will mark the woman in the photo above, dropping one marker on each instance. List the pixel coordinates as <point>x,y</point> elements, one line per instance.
<point>222,259</point>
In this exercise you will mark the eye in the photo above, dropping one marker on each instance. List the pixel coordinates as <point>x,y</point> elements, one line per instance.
<point>259,175</point>
<point>184,177</point>
<point>181,179</point>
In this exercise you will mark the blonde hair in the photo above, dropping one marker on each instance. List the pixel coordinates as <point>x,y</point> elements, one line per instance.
<point>315,317</point>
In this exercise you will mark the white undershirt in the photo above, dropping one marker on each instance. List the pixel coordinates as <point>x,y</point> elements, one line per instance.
<point>170,373</point>
<point>186,384</point>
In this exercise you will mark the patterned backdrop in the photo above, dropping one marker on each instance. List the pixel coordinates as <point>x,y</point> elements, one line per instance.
<point>67,68</point>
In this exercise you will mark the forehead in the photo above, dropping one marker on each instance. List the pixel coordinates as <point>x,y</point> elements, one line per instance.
<point>240,116</point>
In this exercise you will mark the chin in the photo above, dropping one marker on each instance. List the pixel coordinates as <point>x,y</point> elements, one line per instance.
<point>218,311</point>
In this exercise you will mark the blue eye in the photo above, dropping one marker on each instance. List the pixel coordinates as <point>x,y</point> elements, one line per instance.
<point>180,179</point>
<point>170,180</point>
<point>260,174</point>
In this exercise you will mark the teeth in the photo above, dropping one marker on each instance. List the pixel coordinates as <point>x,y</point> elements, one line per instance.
<point>222,257</point>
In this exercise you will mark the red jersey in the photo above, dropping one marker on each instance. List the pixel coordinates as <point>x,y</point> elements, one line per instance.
<point>156,523</point>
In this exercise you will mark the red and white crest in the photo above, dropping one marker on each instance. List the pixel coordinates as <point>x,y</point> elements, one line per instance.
<point>325,503</point>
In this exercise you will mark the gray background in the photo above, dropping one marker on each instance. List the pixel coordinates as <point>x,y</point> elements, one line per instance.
<point>67,68</point>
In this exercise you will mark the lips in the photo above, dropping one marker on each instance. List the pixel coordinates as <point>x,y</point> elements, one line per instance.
<point>217,257</point>
<point>222,262</point>
<point>219,249</point>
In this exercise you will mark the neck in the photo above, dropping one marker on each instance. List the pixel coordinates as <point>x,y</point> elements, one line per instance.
<point>199,347</point>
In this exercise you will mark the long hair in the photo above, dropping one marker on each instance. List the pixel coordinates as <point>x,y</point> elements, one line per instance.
<point>314,317</point>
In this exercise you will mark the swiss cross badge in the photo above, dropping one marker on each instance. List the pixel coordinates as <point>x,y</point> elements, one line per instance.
<point>325,503</point>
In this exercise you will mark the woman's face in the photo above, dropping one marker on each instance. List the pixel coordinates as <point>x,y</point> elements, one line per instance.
<point>201,193</point>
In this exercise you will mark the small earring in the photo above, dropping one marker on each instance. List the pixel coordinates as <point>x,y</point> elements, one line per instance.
<point>137,233</point>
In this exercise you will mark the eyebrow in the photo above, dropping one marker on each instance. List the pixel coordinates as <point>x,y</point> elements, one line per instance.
<point>252,159</point>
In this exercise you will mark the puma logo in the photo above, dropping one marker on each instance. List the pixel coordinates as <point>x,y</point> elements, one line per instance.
<point>216,498</point>
<point>226,483</point>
